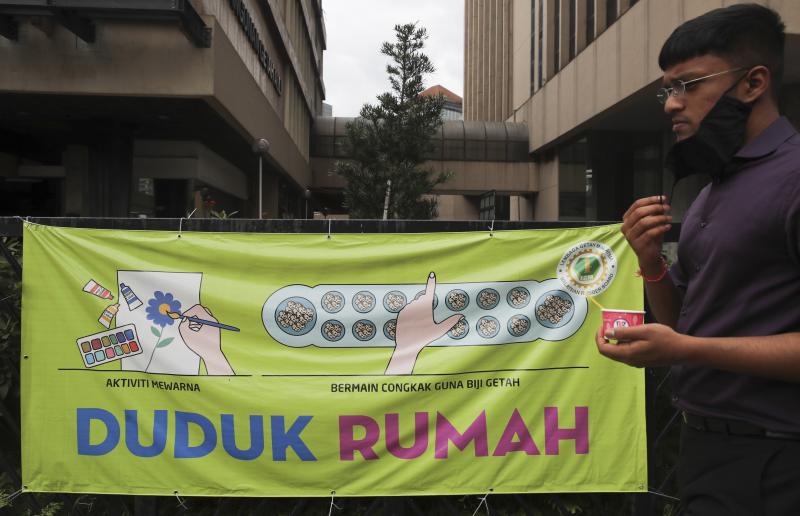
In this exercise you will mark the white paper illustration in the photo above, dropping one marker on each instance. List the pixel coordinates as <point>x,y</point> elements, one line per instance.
<point>146,300</point>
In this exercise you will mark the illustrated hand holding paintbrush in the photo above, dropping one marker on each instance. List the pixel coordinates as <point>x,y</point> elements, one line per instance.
<point>201,333</point>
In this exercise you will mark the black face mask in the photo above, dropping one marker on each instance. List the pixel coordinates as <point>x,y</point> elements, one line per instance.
<point>712,148</point>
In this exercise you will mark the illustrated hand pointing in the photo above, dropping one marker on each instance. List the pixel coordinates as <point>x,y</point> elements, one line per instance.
<point>416,329</point>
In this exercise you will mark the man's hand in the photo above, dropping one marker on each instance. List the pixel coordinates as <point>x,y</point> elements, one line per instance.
<point>644,226</point>
<point>648,345</point>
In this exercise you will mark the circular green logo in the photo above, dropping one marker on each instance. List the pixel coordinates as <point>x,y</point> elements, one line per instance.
<point>587,269</point>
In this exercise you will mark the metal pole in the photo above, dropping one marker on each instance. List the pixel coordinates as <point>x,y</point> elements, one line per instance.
<point>260,147</point>
<point>306,196</point>
<point>386,199</point>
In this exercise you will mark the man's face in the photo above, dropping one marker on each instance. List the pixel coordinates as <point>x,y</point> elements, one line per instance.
<point>688,111</point>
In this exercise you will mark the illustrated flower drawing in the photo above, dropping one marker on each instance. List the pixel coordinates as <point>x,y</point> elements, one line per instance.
<point>159,306</point>
<point>158,309</point>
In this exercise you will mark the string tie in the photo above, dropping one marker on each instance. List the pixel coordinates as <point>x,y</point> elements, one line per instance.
<point>10,498</point>
<point>483,502</point>
<point>330,509</point>
<point>180,501</point>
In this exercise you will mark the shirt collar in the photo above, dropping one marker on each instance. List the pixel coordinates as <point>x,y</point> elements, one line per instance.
<point>770,139</point>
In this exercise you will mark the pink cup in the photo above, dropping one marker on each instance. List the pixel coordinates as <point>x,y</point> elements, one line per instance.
<point>621,319</point>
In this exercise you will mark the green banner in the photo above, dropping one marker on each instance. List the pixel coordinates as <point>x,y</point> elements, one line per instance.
<point>228,364</point>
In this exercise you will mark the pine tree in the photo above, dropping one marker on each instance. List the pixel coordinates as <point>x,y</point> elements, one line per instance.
<point>390,139</point>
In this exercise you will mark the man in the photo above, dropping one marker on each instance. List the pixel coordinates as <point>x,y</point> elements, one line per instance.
<point>729,308</point>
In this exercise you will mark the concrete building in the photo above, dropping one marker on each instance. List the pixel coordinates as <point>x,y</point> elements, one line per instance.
<point>131,108</point>
<point>453,104</point>
<point>582,76</point>
<point>489,163</point>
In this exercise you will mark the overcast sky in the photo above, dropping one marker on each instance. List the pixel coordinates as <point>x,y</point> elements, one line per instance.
<point>354,69</point>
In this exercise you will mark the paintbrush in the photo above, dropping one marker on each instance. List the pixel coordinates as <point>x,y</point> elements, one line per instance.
<point>177,315</point>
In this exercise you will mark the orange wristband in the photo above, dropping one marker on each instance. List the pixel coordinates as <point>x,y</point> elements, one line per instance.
<point>658,277</point>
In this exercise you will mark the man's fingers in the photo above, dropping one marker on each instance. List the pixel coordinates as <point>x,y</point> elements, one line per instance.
<point>650,209</point>
<point>646,201</point>
<point>642,227</point>
<point>631,333</point>
<point>628,353</point>
<point>634,226</point>
<point>612,351</point>
<point>644,215</point>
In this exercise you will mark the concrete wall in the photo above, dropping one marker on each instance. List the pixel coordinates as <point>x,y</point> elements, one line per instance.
<point>488,59</point>
<point>187,160</point>
<point>238,99</point>
<point>229,24</point>
<point>479,177</point>
<point>546,204</point>
<point>521,208</point>
<point>457,207</point>
<point>521,53</point>
<point>469,177</point>
<point>128,58</point>
<point>290,49</point>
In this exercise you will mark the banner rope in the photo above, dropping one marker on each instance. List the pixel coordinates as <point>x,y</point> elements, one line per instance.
<point>483,501</point>
<point>10,498</point>
<point>491,229</point>
<point>330,509</point>
<point>653,491</point>
<point>330,223</point>
<point>27,219</point>
<point>180,502</point>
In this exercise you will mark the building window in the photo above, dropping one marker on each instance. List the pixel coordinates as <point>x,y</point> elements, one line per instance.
<point>573,33</point>
<point>557,37</point>
<point>494,206</point>
<point>576,189</point>
<point>611,11</point>
<point>589,21</point>
<point>487,206</point>
<point>540,46</point>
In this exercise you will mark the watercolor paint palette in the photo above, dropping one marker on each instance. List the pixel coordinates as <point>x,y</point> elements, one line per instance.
<point>107,346</point>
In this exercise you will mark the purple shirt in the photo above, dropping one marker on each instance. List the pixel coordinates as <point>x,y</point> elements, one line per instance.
<point>739,268</point>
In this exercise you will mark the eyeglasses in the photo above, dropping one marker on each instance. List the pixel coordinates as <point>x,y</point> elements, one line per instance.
<point>678,87</point>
